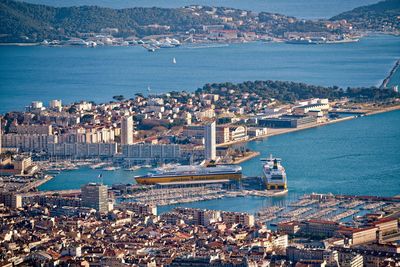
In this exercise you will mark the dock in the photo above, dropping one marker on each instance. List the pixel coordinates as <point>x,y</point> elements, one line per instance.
<point>250,155</point>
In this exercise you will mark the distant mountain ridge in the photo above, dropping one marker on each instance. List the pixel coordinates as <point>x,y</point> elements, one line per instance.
<point>25,22</point>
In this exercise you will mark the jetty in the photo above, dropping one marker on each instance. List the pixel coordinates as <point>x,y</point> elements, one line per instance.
<point>391,73</point>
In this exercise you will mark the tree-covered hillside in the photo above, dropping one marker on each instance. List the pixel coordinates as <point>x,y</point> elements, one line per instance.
<point>19,19</point>
<point>292,91</point>
<point>382,16</point>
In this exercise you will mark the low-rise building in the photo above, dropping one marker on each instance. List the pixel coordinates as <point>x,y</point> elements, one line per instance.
<point>11,200</point>
<point>257,131</point>
<point>296,254</point>
<point>28,142</point>
<point>140,208</point>
<point>287,121</point>
<point>290,228</point>
<point>357,236</point>
<point>350,260</point>
<point>302,110</point>
<point>319,228</point>
<point>244,219</point>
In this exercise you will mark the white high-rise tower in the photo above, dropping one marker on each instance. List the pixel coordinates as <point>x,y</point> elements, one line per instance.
<point>210,137</point>
<point>127,131</point>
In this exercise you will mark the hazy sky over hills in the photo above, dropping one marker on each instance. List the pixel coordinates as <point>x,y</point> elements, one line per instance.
<point>310,9</point>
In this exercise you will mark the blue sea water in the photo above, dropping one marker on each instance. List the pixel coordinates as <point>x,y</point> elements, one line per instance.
<point>309,9</point>
<point>74,179</point>
<point>353,157</point>
<point>73,73</point>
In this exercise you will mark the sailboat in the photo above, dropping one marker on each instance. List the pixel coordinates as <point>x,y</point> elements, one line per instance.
<point>174,60</point>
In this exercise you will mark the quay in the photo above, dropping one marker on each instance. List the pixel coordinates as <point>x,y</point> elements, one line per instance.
<point>250,155</point>
<point>36,184</point>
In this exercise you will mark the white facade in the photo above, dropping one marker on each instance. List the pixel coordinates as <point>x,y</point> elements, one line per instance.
<point>55,103</point>
<point>88,135</point>
<point>127,130</point>
<point>238,217</point>
<point>150,151</point>
<point>82,150</point>
<point>37,105</point>
<point>210,141</point>
<point>28,142</point>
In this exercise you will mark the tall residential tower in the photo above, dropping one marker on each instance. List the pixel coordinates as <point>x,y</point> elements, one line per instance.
<point>95,196</point>
<point>210,140</point>
<point>127,130</point>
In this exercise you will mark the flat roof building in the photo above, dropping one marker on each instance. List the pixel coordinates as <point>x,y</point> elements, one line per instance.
<point>127,130</point>
<point>210,141</point>
<point>95,196</point>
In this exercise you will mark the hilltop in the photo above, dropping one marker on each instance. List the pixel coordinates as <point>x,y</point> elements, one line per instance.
<point>383,16</point>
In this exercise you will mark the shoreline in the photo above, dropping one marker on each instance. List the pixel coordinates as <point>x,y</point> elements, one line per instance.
<point>281,131</point>
<point>209,42</point>
<point>367,113</point>
<point>252,154</point>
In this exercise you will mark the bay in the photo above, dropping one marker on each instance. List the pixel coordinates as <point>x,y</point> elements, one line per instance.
<point>73,73</point>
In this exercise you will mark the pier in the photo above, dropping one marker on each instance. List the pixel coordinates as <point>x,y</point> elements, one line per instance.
<point>391,73</point>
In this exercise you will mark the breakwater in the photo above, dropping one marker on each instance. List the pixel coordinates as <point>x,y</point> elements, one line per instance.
<point>391,73</point>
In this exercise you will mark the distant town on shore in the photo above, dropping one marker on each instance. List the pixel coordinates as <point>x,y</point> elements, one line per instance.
<point>155,28</point>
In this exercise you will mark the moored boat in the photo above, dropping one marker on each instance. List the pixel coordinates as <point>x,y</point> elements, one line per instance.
<point>191,173</point>
<point>274,174</point>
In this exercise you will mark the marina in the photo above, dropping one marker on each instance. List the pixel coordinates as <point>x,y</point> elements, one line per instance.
<point>300,181</point>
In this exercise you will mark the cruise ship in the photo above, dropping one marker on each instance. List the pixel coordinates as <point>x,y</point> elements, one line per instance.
<point>191,173</point>
<point>274,174</point>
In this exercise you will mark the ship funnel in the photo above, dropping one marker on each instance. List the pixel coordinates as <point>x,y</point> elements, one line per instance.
<point>275,164</point>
